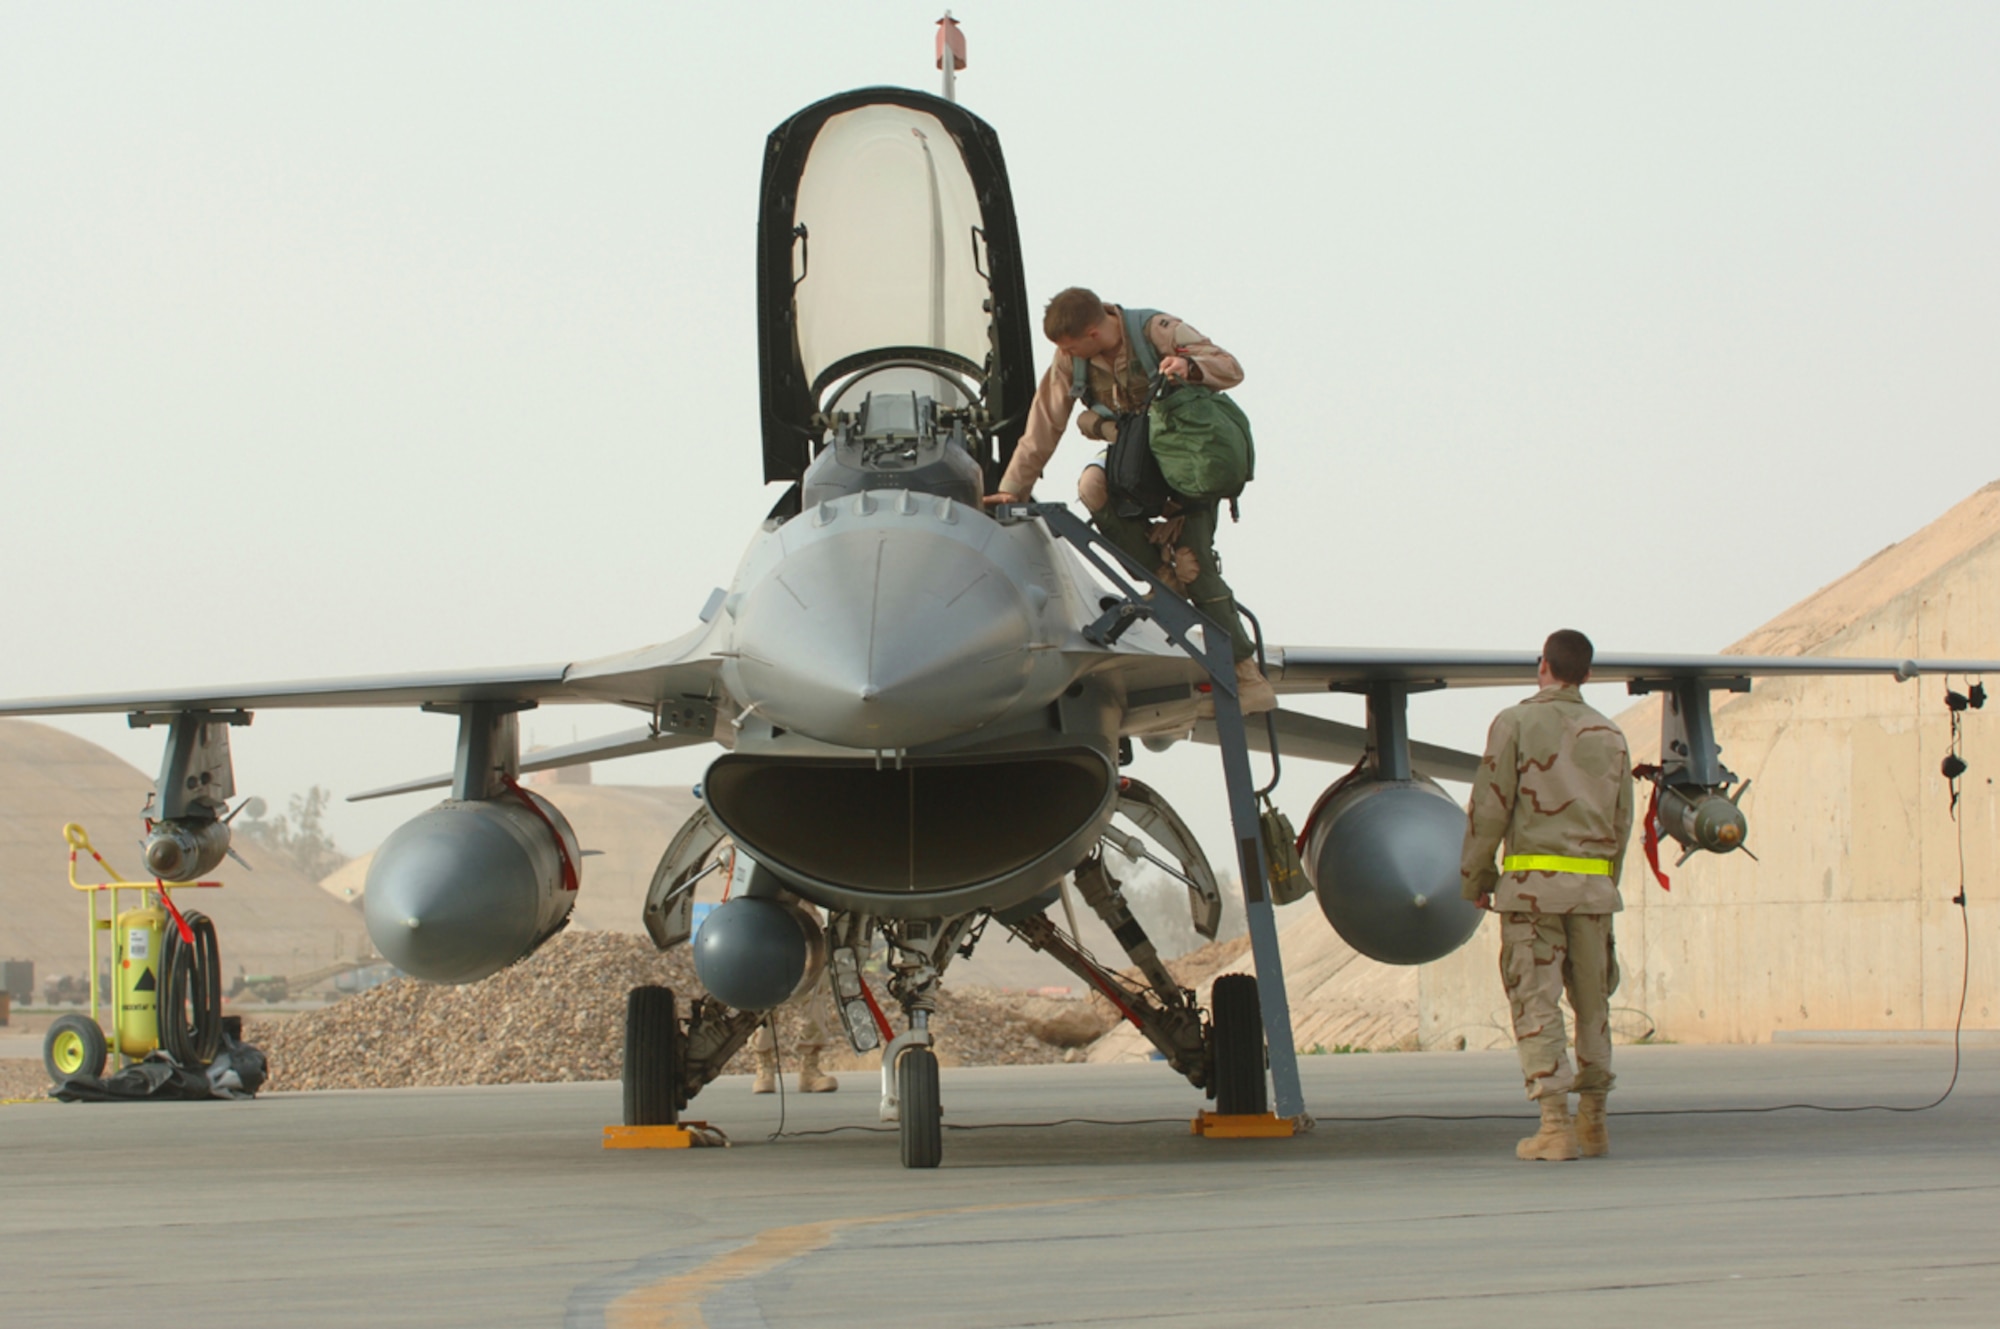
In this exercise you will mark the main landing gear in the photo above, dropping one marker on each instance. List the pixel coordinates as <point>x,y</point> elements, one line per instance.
<point>668,1060</point>
<point>1236,1039</point>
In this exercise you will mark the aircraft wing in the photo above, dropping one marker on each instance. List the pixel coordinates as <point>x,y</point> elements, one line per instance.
<point>647,679</point>
<point>1316,739</point>
<point>1294,669</point>
<point>534,683</point>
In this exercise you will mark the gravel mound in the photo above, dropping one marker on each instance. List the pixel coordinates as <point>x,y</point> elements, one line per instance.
<point>558,1015</point>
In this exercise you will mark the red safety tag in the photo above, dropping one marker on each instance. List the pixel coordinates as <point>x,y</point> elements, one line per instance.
<point>187,933</point>
<point>1650,838</point>
<point>569,877</point>
<point>875,1009</point>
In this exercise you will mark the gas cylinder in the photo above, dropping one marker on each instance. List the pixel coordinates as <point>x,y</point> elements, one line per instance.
<point>140,936</point>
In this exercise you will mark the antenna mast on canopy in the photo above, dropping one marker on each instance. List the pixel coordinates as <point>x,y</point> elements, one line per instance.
<point>950,53</point>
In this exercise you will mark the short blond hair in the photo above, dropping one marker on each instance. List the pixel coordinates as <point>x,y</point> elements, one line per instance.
<point>1072,313</point>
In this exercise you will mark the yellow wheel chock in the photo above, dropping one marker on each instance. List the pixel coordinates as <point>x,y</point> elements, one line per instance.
<point>1243,1126</point>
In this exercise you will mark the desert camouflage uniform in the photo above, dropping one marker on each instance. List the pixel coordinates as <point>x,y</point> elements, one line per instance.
<point>820,1025</point>
<point>1118,383</point>
<point>1556,780</point>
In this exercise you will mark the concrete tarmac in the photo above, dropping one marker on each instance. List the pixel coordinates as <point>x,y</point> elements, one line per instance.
<point>498,1206</point>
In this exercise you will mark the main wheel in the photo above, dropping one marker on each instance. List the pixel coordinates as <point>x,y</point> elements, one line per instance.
<point>652,1058</point>
<point>74,1046</point>
<point>922,1114</point>
<point>1237,1018</point>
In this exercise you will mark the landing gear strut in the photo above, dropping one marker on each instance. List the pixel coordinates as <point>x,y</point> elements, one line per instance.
<point>919,949</point>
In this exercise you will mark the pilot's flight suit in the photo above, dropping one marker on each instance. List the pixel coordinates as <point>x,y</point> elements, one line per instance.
<point>1118,382</point>
<point>1556,786</point>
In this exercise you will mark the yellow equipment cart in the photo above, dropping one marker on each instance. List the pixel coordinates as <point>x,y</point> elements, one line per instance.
<point>155,972</point>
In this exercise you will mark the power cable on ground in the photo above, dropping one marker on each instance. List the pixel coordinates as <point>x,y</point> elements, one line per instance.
<point>1953,769</point>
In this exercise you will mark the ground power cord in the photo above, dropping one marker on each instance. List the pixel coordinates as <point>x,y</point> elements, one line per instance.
<point>190,1002</point>
<point>1957,1053</point>
<point>778,1072</point>
<point>1953,769</point>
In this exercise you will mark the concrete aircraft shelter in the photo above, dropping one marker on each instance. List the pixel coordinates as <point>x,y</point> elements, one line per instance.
<point>1844,922</point>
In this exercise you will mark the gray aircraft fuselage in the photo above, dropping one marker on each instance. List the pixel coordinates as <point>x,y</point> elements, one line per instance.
<point>922,728</point>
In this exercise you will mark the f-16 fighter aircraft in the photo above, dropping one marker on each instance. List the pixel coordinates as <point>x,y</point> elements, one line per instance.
<point>925,710</point>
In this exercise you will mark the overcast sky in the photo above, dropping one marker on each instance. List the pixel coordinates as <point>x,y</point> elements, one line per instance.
<point>365,338</point>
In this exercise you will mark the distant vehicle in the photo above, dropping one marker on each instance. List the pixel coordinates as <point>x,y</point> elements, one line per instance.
<point>344,974</point>
<point>365,978</point>
<point>65,990</point>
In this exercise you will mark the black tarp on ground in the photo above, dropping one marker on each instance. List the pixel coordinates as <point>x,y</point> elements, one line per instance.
<point>238,1071</point>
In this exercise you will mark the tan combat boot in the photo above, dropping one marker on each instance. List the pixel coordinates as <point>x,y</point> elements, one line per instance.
<point>1253,691</point>
<point>1591,1136</point>
<point>767,1070</point>
<point>1556,1141</point>
<point>813,1080</point>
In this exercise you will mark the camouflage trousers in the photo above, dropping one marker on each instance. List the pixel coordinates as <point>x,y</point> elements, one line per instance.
<point>822,1026</point>
<point>1542,956</point>
<point>1208,591</point>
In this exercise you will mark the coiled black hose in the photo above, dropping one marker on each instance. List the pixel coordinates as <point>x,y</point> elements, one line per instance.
<point>191,994</point>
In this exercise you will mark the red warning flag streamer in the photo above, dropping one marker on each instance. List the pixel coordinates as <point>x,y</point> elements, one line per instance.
<point>160,889</point>
<point>875,1009</point>
<point>1650,838</point>
<point>569,877</point>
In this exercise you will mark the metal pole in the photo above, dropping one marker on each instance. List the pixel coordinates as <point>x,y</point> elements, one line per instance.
<point>1254,874</point>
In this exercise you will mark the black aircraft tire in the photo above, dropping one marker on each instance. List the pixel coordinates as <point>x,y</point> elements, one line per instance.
<point>921,1112</point>
<point>1238,1018</point>
<point>74,1046</point>
<point>652,1057</point>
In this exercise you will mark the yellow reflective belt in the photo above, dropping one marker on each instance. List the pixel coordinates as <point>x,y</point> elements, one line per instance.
<point>1595,867</point>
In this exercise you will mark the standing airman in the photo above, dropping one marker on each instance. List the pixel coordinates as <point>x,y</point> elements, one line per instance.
<point>1556,788</point>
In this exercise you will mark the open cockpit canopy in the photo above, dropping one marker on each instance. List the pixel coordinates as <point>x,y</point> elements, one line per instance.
<point>888,262</point>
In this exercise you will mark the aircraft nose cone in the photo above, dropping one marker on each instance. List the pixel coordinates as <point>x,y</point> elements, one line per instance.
<point>883,639</point>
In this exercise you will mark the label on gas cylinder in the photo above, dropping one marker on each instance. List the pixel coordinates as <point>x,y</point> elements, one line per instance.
<point>135,943</point>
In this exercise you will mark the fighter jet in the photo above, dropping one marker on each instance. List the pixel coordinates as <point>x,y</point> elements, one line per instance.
<point>928,712</point>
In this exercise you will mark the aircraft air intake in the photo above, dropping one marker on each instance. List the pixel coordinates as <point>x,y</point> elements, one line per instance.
<point>937,835</point>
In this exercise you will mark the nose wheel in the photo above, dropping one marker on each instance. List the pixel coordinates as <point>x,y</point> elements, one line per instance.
<point>921,1119</point>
